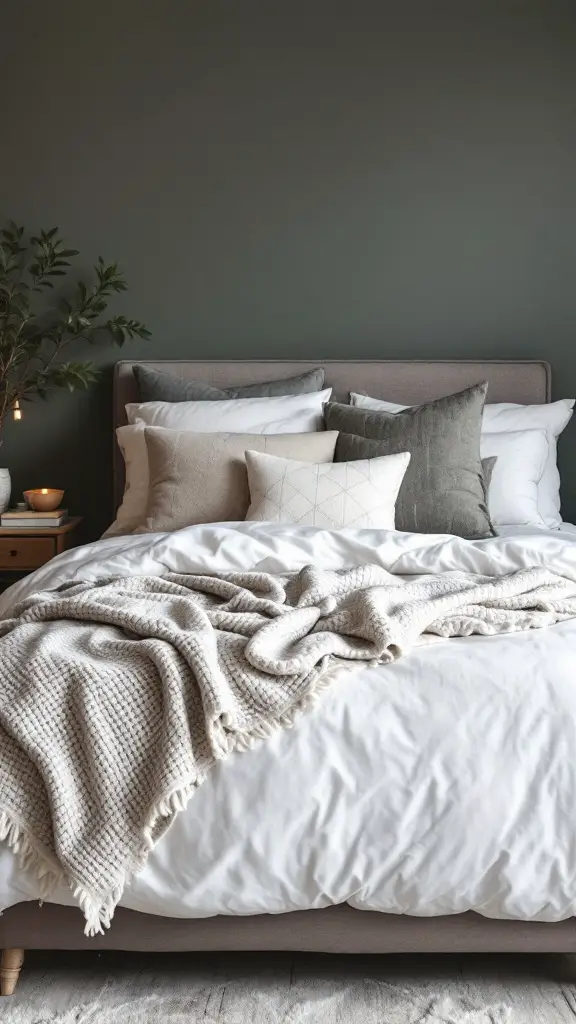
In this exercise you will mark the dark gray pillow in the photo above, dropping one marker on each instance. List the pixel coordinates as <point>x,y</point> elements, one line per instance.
<point>443,490</point>
<point>155,386</point>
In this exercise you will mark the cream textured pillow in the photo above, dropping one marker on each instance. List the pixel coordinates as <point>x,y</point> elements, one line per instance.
<point>201,478</point>
<point>361,493</point>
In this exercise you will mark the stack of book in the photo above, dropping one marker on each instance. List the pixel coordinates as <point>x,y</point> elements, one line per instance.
<point>18,520</point>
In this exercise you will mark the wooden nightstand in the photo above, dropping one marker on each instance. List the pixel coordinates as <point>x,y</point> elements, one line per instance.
<point>21,551</point>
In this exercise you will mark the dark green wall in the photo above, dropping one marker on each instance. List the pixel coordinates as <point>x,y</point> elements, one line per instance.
<point>287,178</point>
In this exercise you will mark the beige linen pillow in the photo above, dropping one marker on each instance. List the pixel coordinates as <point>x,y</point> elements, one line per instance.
<point>361,493</point>
<point>201,478</point>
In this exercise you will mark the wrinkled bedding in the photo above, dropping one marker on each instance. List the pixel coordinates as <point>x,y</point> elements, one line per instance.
<point>441,783</point>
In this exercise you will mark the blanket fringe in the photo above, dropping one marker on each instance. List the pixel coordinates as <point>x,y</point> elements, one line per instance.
<point>31,855</point>
<point>97,913</point>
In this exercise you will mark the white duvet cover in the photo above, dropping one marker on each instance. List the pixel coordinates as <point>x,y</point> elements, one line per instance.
<point>441,783</point>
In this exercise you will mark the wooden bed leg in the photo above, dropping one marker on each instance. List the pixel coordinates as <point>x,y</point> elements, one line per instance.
<point>10,964</point>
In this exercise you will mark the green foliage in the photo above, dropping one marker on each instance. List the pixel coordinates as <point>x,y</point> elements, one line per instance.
<point>33,340</point>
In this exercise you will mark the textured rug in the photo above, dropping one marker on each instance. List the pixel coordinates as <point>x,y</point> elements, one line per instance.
<point>123,988</point>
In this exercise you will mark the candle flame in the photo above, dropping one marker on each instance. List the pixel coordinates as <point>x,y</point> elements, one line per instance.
<point>44,490</point>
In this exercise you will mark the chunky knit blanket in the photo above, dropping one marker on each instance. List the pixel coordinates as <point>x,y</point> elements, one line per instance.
<point>117,697</point>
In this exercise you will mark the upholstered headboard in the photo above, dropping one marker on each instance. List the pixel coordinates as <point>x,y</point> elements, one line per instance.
<point>408,383</point>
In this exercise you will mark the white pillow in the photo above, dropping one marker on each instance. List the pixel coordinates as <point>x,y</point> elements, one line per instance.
<point>132,511</point>
<point>552,417</point>
<point>333,495</point>
<point>521,457</point>
<point>287,414</point>
<point>365,402</point>
<point>503,417</point>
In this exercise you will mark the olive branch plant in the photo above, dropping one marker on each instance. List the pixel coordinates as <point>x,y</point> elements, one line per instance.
<point>36,335</point>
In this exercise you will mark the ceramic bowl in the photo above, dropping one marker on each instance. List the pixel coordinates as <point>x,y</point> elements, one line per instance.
<point>44,499</point>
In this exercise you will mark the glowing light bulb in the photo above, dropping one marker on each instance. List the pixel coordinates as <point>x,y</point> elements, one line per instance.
<point>17,411</point>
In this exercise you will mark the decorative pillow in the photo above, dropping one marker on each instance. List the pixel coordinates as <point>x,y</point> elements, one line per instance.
<point>552,417</point>
<point>201,478</point>
<point>503,417</point>
<point>443,490</point>
<point>155,386</point>
<point>521,457</point>
<point>358,494</point>
<point>289,414</point>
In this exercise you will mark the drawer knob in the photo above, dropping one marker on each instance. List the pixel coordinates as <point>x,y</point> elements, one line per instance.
<point>13,553</point>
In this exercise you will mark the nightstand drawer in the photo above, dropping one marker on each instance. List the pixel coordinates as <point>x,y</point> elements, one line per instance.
<point>25,552</point>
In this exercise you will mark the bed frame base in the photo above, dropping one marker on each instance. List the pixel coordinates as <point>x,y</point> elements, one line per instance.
<point>338,929</point>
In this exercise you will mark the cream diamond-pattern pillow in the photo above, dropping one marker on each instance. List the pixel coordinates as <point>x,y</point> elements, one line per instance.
<point>334,494</point>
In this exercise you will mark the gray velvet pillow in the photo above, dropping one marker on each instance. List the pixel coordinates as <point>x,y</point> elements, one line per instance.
<point>443,490</point>
<point>155,386</point>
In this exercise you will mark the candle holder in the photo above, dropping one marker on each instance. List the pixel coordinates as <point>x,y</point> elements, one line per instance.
<point>44,499</point>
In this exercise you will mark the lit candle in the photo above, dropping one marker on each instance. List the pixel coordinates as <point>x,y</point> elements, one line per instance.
<point>44,499</point>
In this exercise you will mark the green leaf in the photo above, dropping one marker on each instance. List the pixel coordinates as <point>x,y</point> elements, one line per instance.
<point>73,375</point>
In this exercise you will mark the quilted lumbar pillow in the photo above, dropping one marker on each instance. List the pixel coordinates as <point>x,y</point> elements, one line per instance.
<point>360,494</point>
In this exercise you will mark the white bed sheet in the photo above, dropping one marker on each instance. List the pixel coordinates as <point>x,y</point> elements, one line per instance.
<point>442,783</point>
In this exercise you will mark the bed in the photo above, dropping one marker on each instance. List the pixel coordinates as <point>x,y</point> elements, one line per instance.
<point>537,916</point>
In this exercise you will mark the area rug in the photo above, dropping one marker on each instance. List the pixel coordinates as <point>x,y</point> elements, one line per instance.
<point>126,988</point>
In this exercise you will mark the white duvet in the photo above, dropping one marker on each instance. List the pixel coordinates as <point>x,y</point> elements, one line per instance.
<point>441,783</point>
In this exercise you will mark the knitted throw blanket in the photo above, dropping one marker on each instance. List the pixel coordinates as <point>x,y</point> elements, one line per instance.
<point>117,697</point>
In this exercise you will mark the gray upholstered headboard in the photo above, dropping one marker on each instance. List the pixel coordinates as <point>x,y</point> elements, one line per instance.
<point>405,382</point>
